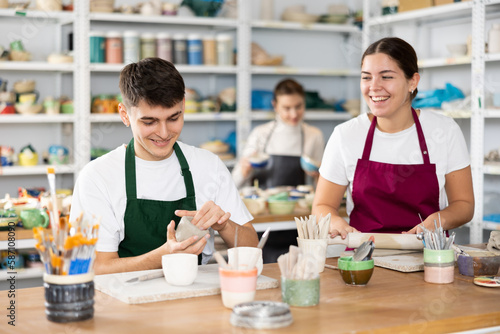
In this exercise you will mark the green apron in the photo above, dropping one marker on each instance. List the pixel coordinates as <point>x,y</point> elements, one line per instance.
<point>146,220</point>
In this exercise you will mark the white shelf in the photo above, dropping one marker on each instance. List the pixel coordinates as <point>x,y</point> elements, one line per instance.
<point>491,225</point>
<point>492,57</point>
<point>59,16</point>
<point>492,113</point>
<point>282,25</point>
<point>491,168</point>
<point>36,66</point>
<point>39,118</point>
<point>162,19</point>
<point>183,69</point>
<point>189,117</point>
<point>326,115</point>
<point>454,10</point>
<point>285,70</point>
<point>441,62</point>
<point>451,113</point>
<point>22,273</point>
<point>35,170</point>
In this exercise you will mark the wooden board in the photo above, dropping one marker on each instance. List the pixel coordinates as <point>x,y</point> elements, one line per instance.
<point>405,261</point>
<point>155,290</point>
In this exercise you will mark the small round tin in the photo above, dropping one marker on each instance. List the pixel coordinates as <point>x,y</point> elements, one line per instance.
<point>261,315</point>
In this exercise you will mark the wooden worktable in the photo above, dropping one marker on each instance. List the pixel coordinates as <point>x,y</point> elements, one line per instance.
<point>392,302</point>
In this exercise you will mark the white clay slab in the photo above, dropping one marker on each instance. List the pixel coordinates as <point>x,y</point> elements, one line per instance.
<point>186,230</point>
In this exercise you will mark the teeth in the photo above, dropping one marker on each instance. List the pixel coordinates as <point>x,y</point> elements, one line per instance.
<point>379,98</point>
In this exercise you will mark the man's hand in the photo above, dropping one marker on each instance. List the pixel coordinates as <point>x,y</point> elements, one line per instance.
<point>191,245</point>
<point>210,215</point>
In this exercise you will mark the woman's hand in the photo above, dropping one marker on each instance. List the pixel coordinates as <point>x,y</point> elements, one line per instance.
<point>338,226</point>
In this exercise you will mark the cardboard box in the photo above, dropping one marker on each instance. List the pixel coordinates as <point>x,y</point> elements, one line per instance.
<point>442,2</point>
<point>407,5</point>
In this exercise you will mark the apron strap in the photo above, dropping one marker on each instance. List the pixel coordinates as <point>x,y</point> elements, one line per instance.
<point>421,139</point>
<point>130,182</point>
<point>186,173</point>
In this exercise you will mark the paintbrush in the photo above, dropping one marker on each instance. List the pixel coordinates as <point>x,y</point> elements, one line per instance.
<point>51,176</point>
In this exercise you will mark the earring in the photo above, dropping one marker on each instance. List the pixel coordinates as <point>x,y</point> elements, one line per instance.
<point>411,92</point>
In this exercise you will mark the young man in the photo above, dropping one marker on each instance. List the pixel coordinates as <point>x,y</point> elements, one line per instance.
<point>141,190</point>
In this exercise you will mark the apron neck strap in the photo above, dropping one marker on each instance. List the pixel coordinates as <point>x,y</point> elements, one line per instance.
<point>421,139</point>
<point>130,175</point>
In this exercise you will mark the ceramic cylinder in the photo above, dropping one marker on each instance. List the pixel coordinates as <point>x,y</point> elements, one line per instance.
<point>494,39</point>
<point>317,248</point>
<point>439,266</point>
<point>131,47</point>
<point>148,45</point>
<point>209,51</point>
<point>114,48</point>
<point>300,292</point>
<point>194,50</point>
<point>97,46</point>
<point>237,286</point>
<point>224,50</point>
<point>179,44</point>
<point>69,298</point>
<point>164,46</point>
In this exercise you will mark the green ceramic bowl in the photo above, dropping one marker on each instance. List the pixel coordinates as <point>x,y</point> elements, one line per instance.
<point>281,207</point>
<point>355,272</point>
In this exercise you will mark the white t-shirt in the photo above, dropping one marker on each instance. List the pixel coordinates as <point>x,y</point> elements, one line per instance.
<point>445,143</point>
<point>284,140</point>
<point>100,190</point>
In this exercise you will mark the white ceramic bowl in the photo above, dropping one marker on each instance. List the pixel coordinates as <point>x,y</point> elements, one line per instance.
<point>180,268</point>
<point>28,109</point>
<point>255,206</point>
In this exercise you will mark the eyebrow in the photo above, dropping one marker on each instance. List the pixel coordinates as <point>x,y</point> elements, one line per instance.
<point>381,72</point>
<point>155,118</point>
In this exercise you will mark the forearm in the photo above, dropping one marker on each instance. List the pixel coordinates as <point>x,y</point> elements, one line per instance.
<point>456,214</point>
<point>108,263</point>
<point>246,234</point>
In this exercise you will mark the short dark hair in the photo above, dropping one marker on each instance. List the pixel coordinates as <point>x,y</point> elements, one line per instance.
<point>288,87</point>
<point>399,51</point>
<point>152,80</point>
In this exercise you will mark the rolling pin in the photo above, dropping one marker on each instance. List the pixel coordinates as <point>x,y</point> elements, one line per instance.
<point>382,240</point>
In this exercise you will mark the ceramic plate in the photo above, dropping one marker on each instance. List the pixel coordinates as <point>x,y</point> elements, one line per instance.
<point>489,281</point>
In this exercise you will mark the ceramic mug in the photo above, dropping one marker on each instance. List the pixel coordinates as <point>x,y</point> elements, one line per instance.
<point>34,218</point>
<point>180,268</point>
<point>28,98</point>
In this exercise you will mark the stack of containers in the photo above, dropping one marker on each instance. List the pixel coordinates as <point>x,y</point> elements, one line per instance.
<point>130,47</point>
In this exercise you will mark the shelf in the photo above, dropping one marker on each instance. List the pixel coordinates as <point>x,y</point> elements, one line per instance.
<point>492,57</point>
<point>309,115</point>
<point>22,273</point>
<point>59,16</point>
<point>451,113</point>
<point>451,11</point>
<point>183,69</point>
<point>39,118</point>
<point>285,70</point>
<point>491,225</point>
<point>282,25</point>
<point>36,66</point>
<point>189,117</point>
<point>491,168</point>
<point>35,170</point>
<point>441,62</point>
<point>492,113</point>
<point>163,19</point>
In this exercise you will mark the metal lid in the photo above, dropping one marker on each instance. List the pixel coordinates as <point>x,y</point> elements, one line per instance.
<point>261,315</point>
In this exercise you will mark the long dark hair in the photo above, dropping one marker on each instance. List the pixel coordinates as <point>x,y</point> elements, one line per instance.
<point>399,51</point>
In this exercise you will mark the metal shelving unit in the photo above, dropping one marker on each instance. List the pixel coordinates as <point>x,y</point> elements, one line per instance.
<point>473,11</point>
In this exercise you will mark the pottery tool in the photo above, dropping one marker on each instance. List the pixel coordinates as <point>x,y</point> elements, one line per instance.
<point>146,277</point>
<point>364,251</point>
<point>51,176</point>
<point>236,264</point>
<point>220,260</point>
<point>313,228</point>
<point>384,240</point>
<point>297,265</point>
<point>261,245</point>
<point>329,266</point>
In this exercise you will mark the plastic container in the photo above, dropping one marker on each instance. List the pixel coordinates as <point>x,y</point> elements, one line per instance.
<point>114,48</point>
<point>224,50</point>
<point>179,44</point>
<point>194,50</point>
<point>164,46</point>
<point>131,47</point>
<point>494,39</point>
<point>148,45</point>
<point>97,46</point>
<point>209,50</point>
<point>439,266</point>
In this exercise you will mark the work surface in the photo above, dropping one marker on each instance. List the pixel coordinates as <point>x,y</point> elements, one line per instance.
<point>392,302</point>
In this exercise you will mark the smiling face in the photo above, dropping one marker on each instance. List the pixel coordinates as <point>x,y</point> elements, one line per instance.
<point>155,129</point>
<point>290,108</point>
<point>385,88</point>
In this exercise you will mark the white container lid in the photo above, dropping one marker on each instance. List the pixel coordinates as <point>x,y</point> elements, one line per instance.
<point>113,34</point>
<point>96,33</point>
<point>193,37</point>
<point>224,37</point>
<point>163,35</point>
<point>130,33</point>
<point>148,35</point>
<point>179,36</point>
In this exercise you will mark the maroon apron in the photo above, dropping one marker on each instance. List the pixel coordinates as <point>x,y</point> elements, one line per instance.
<point>388,198</point>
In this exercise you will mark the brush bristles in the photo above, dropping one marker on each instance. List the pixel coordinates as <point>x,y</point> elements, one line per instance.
<point>51,170</point>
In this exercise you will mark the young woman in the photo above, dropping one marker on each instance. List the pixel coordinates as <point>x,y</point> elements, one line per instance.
<point>396,163</point>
